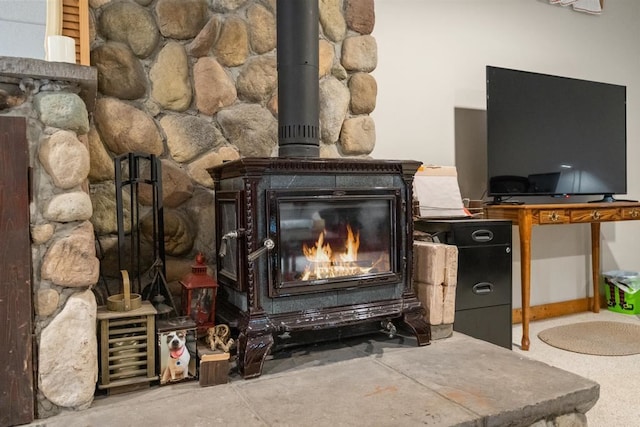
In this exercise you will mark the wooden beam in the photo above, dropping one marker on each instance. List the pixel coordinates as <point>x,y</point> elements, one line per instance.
<point>17,395</point>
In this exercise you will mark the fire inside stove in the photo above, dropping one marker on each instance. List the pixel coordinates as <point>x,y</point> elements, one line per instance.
<point>325,263</point>
<point>333,241</point>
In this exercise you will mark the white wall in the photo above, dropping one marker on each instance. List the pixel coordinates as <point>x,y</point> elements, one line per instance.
<point>22,25</point>
<point>431,58</point>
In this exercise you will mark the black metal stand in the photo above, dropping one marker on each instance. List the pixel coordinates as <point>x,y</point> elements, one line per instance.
<point>128,176</point>
<point>101,289</point>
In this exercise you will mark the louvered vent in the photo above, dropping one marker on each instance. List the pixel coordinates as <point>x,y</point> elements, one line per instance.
<point>75,24</point>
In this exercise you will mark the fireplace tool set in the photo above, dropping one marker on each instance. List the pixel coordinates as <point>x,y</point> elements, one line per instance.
<point>134,171</point>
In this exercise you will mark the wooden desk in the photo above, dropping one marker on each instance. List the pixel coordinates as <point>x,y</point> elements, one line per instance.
<point>526,216</point>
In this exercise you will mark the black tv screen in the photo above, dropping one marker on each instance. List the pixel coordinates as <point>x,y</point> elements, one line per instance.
<point>555,136</point>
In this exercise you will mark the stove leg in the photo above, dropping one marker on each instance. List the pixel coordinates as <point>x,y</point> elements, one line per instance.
<point>415,319</point>
<point>252,352</point>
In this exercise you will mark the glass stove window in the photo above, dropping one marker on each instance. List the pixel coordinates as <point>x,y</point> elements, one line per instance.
<point>334,238</point>
<point>228,215</point>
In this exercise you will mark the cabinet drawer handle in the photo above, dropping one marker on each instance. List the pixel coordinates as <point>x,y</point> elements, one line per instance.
<point>595,215</point>
<point>482,288</point>
<point>553,216</point>
<point>634,213</point>
<point>482,235</point>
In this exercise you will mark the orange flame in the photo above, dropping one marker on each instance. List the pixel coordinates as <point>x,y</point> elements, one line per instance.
<point>323,263</point>
<point>319,252</point>
<point>352,244</point>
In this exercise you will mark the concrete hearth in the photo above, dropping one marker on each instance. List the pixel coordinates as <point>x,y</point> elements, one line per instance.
<point>459,381</point>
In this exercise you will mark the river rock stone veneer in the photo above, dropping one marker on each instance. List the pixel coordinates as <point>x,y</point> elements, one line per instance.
<point>56,100</point>
<point>195,83</point>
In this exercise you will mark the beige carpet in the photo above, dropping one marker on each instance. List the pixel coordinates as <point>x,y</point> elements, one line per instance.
<point>601,338</point>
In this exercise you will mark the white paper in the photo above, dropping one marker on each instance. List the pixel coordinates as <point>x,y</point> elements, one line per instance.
<point>438,193</point>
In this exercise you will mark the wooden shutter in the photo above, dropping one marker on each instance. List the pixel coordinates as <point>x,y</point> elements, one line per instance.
<point>75,24</point>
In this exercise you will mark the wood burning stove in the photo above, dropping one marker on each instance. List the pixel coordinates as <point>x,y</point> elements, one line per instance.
<point>310,249</point>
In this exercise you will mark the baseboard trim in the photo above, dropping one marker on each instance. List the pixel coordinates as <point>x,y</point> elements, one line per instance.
<point>547,311</point>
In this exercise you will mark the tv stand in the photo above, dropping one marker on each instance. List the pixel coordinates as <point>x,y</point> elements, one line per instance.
<point>608,198</point>
<point>527,216</point>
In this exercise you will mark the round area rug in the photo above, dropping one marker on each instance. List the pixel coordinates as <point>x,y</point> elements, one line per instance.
<point>597,338</point>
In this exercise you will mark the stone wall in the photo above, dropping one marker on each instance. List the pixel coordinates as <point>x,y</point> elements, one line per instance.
<point>56,100</point>
<point>195,83</point>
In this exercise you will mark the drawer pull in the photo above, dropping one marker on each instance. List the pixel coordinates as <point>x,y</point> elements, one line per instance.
<point>553,216</point>
<point>634,213</point>
<point>482,236</point>
<point>595,215</point>
<point>482,288</point>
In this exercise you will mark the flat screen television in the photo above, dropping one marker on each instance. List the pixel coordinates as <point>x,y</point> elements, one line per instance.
<point>554,136</point>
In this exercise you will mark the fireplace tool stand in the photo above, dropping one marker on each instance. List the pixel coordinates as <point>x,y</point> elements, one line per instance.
<point>130,176</point>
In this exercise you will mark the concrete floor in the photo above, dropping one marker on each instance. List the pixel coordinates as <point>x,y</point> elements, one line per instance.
<point>370,380</point>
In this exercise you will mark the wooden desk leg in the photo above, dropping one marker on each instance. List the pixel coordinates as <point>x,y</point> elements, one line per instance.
<point>595,265</point>
<point>524,226</point>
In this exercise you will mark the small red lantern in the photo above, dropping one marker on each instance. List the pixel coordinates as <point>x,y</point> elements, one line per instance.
<point>199,295</point>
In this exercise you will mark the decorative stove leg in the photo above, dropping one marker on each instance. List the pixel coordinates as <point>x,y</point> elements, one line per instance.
<point>415,319</point>
<point>252,351</point>
<point>254,343</point>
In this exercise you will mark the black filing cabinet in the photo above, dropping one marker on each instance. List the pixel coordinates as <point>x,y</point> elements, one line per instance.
<point>483,292</point>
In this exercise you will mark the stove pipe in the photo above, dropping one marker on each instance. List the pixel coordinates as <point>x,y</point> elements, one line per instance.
<point>298,88</point>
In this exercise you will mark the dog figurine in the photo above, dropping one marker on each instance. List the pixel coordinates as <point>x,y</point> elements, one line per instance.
<point>218,336</point>
<point>179,357</point>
